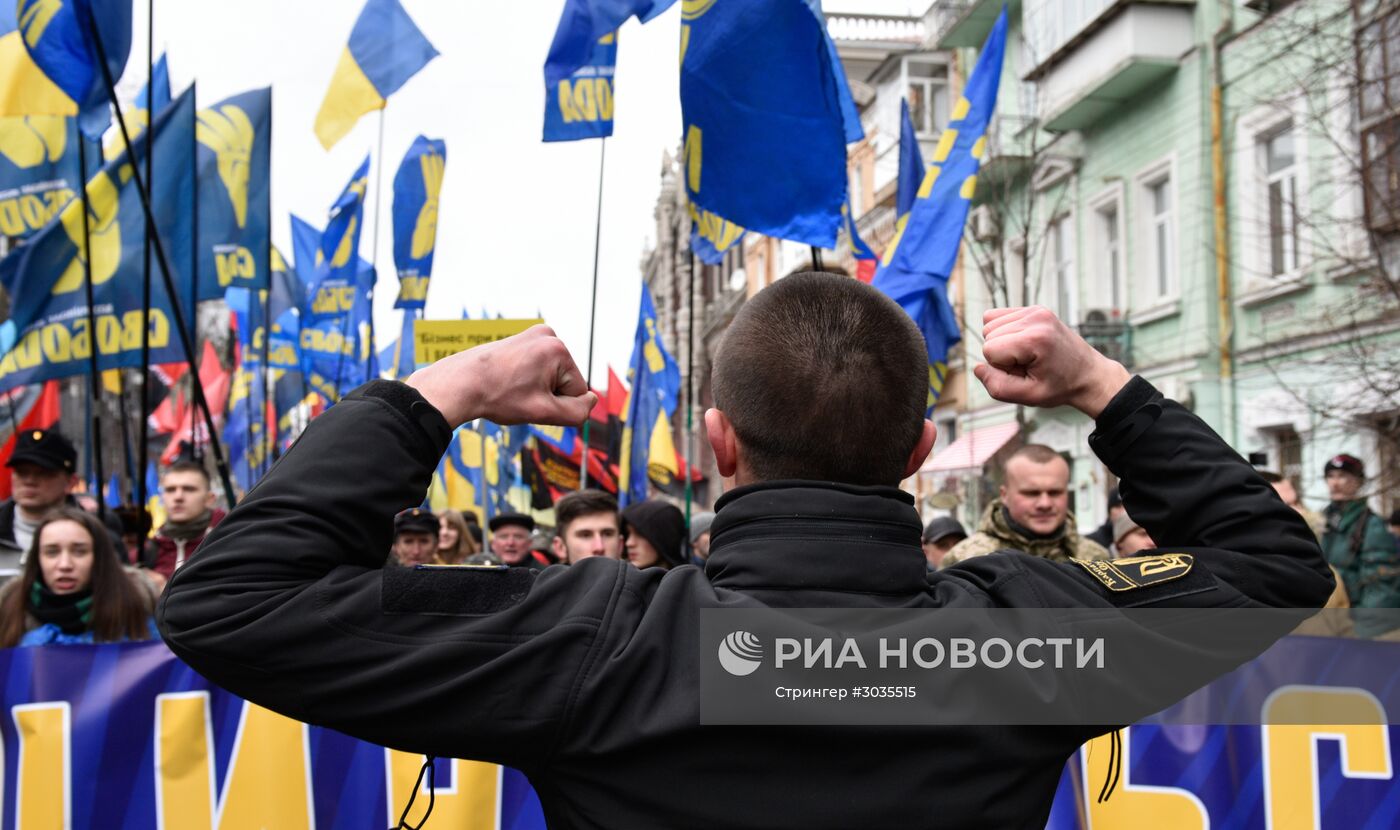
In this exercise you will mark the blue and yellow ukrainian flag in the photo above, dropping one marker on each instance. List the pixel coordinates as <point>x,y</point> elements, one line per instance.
<point>646,427</point>
<point>24,88</point>
<point>155,506</point>
<point>58,36</point>
<point>915,268</point>
<point>385,50</point>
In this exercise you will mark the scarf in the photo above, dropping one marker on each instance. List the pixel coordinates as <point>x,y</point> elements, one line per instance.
<point>72,613</point>
<point>191,529</point>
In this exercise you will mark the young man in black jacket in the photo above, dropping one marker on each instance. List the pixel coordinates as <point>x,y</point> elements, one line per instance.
<point>586,678</point>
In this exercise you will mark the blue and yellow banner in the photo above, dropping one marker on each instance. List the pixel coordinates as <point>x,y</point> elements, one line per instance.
<point>417,189</point>
<point>235,208</point>
<point>128,736</point>
<point>59,37</point>
<point>762,91</point>
<point>584,23</point>
<point>646,426</point>
<point>48,335</point>
<point>244,431</point>
<point>38,171</point>
<point>284,308</point>
<point>385,50</point>
<point>916,265</point>
<point>580,105</point>
<point>24,88</point>
<point>337,268</point>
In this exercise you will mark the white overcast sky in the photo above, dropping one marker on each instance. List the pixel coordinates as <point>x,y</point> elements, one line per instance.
<point>515,231</point>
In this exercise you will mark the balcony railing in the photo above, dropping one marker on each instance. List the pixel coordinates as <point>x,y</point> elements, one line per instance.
<point>879,28</point>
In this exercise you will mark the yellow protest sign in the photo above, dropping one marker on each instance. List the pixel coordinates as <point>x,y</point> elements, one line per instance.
<point>436,339</point>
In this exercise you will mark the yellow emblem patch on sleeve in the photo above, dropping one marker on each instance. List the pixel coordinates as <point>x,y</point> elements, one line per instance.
<point>1138,571</point>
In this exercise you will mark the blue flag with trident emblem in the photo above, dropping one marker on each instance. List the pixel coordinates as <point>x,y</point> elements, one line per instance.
<point>646,429</point>
<point>47,335</point>
<point>235,208</point>
<point>417,188</point>
<point>916,265</point>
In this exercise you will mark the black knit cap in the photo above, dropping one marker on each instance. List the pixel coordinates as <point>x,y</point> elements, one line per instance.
<point>660,523</point>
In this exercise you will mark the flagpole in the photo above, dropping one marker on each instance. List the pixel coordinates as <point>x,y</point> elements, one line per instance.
<point>374,246</point>
<point>145,436</point>
<point>374,264</point>
<point>689,387</point>
<point>816,258</point>
<point>270,439</point>
<point>593,310</point>
<point>161,260</point>
<point>94,388</point>
<point>197,358</point>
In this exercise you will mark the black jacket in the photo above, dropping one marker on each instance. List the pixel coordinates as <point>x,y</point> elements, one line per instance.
<point>586,677</point>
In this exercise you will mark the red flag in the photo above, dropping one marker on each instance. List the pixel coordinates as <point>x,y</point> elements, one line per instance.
<point>215,379</point>
<point>41,413</point>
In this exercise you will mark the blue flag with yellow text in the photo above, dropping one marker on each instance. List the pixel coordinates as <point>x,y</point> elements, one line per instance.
<point>584,23</point>
<point>417,187</point>
<point>38,171</point>
<point>766,114</point>
<point>385,50</point>
<point>916,265</point>
<point>332,291</point>
<point>235,209</point>
<point>579,105</point>
<point>59,37</point>
<point>656,384</point>
<point>47,335</point>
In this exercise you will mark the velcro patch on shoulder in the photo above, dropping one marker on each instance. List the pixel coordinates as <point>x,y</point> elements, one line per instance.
<point>453,590</point>
<point>1138,571</point>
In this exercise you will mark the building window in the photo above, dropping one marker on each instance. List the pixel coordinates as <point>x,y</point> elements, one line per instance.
<point>1288,448</point>
<point>928,97</point>
<point>1060,292</point>
<point>1157,207</point>
<point>1107,235</point>
<point>1280,163</point>
<point>1378,59</point>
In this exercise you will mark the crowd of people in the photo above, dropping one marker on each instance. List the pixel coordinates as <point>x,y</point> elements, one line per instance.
<point>94,579</point>
<point>1031,514</point>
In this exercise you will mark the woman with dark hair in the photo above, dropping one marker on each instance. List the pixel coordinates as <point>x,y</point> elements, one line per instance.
<point>74,589</point>
<point>455,542</point>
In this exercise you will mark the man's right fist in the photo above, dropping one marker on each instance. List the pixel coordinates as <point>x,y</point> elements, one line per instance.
<point>527,379</point>
<point>1033,358</point>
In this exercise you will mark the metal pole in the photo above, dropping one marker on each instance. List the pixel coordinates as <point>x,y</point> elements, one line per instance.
<point>94,382</point>
<point>198,358</point>
<point>144,434</point>
<point>593,310</point>
<point>161,260</point>
<point>689,389</point>
<point>374,245</point>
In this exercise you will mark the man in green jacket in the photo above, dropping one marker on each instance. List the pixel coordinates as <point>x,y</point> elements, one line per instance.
<point>1358,545</point>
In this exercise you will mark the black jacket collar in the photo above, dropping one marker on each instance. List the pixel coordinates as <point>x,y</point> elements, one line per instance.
<point>811,535</point>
